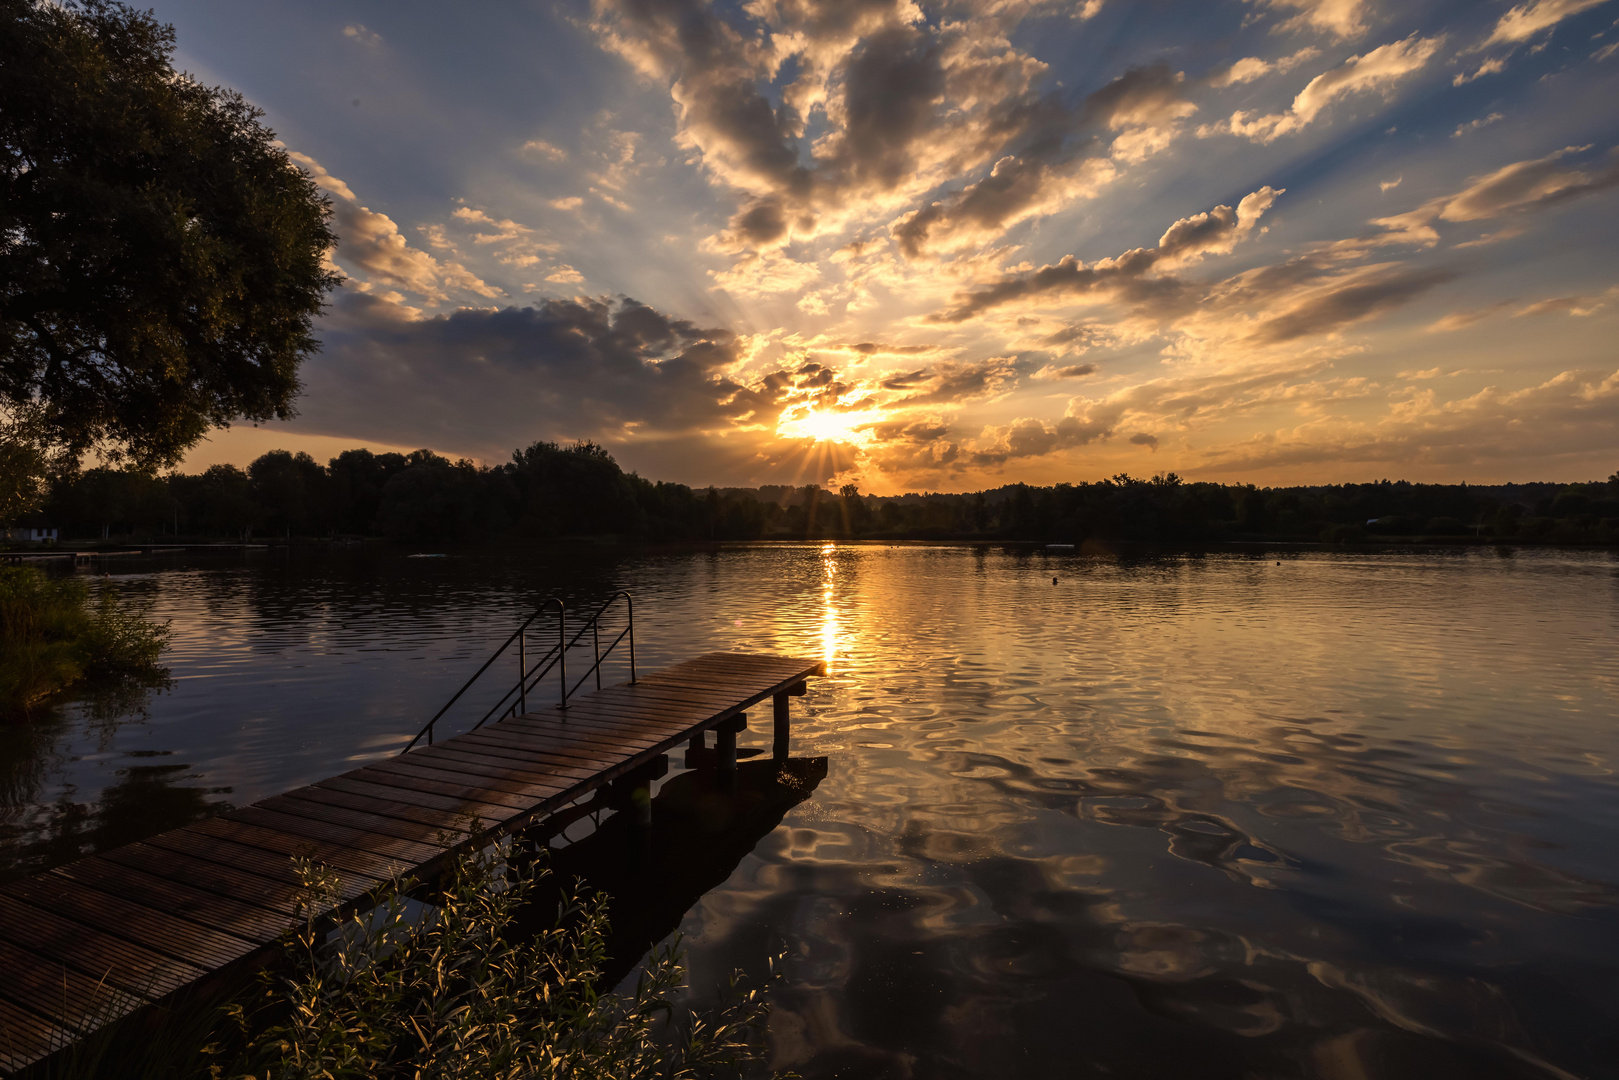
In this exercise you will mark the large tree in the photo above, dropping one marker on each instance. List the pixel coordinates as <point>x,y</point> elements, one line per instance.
<point>161,259</point>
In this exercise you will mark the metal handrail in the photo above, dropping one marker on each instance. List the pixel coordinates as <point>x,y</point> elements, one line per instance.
<point>555,657</point>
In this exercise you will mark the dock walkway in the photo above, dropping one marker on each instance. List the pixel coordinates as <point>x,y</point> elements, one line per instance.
<point>96,939</point>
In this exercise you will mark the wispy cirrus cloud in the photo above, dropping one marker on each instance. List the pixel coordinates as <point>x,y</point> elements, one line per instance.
<point>1524,21</point>
<point>1136,273</point>
<point>1377,70</point>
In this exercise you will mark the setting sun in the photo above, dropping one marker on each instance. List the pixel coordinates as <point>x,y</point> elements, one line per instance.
<point>848,427</point>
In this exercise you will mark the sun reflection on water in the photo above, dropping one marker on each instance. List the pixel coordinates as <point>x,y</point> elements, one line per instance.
<point>829,613</point>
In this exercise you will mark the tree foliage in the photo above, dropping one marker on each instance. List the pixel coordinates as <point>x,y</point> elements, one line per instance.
<point>161,259</point>
<point>547,491</point>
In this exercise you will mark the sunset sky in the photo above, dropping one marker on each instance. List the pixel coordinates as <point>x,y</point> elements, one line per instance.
<point>952,246</point>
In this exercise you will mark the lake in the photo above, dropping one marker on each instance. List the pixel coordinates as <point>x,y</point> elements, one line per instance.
<point>1268,813</point>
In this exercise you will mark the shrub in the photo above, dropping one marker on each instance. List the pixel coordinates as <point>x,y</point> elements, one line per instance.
<point>460,989</point>
<point>52,635</point>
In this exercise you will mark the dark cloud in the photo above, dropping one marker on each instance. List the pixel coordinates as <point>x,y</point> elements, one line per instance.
<point>905,380</point>
<point>1072,371</point>
<point>1530,185</point>
<point>950,384</point>
<point>875,348</point>
<point>904,98</point>
<point>583,368</point>
<point>1141,438</point>
<point>1055,157</point>
<point>1348,301</point>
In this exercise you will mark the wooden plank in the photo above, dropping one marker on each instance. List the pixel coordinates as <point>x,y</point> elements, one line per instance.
<point>25,1036</point>
<point>612,724</point>
<point>383,845</point>
<point>92,951</point>
<point>458,789</point>
<point>298,803</point>
<point>60,993</point>
<point>571,753</point>
<point>287,846</point>
<point>277,866</point>
<point>391,790</point>
<point>480,786</point>
<point>584,731</point>
<point>739,688</point>
<point>276,894</point>
<point>512,755</point>
<point>251,922</point>
<point>480,780</point>
<point>159,931</point>
<point>542,749</point>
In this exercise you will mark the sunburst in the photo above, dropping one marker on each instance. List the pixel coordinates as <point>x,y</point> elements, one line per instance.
<point>842,427</point>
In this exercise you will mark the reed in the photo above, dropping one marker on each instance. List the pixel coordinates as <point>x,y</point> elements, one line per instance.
<point>54,633</point>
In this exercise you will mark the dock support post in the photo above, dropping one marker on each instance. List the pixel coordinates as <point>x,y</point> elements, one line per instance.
<point>783,741</point>
<point>694,749</point>
<point>632,796</point>
<point>725,750</point>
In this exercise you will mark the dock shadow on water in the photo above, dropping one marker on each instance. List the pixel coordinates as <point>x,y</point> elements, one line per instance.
<point>701,829</point>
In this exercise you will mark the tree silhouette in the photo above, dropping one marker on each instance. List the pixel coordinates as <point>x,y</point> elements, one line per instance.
<point>161,259</point>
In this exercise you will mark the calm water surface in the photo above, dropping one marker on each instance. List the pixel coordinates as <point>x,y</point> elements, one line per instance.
<point>1342,815</point>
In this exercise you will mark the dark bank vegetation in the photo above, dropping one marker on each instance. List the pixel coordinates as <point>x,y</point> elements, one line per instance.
<point>549,492</point>
<point>54,633</point>
<point>497,975</point>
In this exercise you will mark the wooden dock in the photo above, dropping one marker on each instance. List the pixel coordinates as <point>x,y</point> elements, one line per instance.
<point>99,938</point>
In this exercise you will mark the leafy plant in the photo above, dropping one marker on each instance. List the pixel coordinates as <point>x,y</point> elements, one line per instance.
<point>457,989</point>
<point>52,635</point>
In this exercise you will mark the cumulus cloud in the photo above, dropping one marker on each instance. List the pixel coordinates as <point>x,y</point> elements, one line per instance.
<point>1550,422</point>
<point>369,243</point>
<point>1377,70</point>
<point>881,106</point>
<point>1211,232</point>
<point>548,151</point>
<point>1251,68</point>
<point>1338,18</point>
<point>1526,20</point>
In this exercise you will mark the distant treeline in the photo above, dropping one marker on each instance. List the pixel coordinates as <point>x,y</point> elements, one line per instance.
<point>549,491</point>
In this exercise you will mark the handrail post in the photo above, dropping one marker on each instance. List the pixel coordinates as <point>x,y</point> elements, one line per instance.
<point>596,645</point>
<point>629,603</point>
<point>522,670</point>
<point>562,652</point>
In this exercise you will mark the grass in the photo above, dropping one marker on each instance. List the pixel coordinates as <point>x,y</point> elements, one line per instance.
<point>454,988</point>
<point>54,634</point>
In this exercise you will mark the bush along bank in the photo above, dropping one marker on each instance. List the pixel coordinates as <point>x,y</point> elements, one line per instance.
<point>54,633</point>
